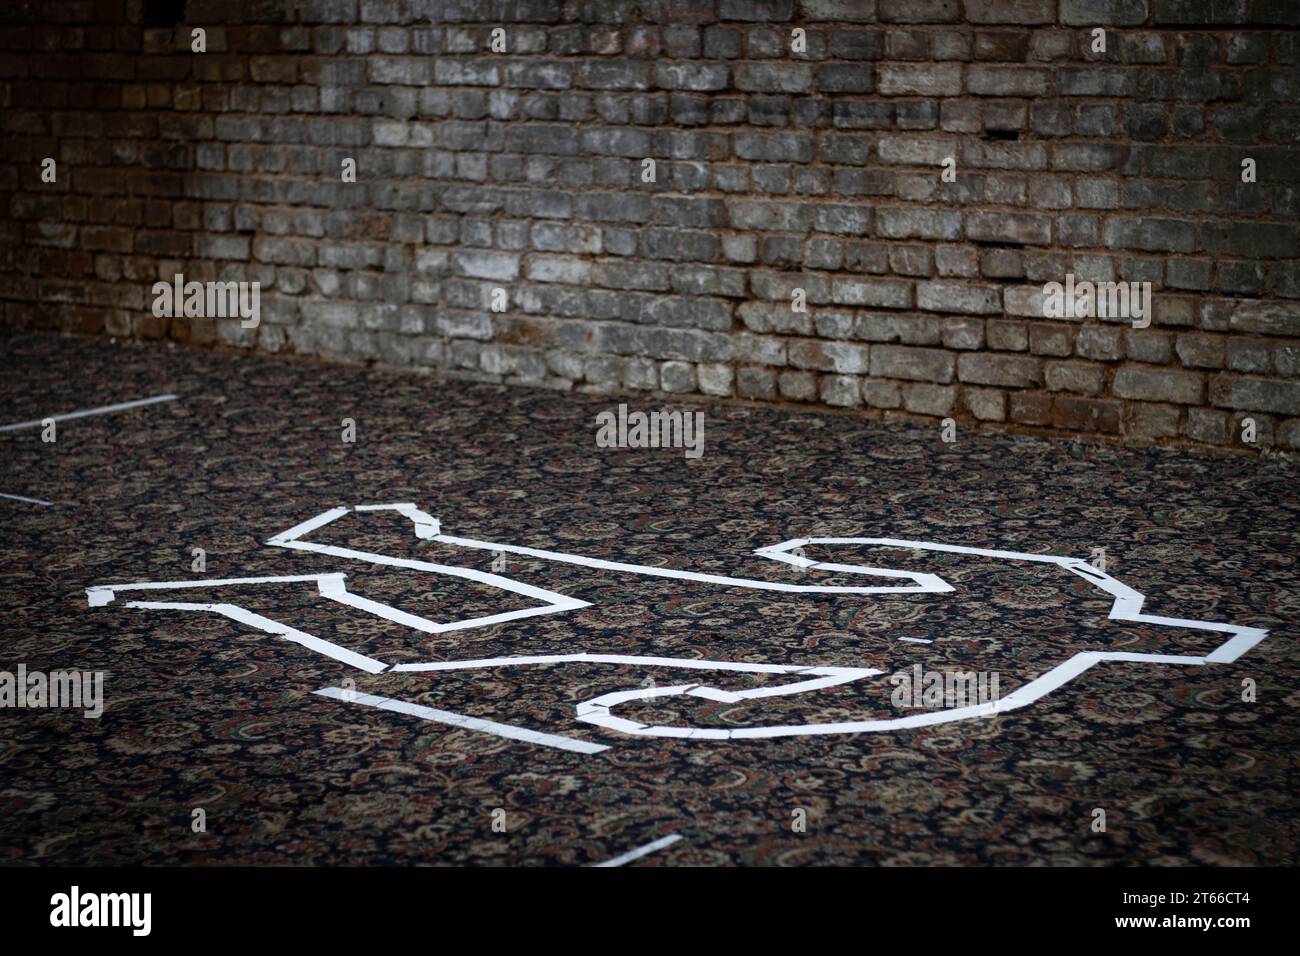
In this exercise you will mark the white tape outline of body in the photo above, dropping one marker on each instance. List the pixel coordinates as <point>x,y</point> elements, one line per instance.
<point>1126,606</point>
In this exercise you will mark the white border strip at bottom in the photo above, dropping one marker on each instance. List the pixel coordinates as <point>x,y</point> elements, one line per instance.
<point>462,720</point>
<point>641,851</point>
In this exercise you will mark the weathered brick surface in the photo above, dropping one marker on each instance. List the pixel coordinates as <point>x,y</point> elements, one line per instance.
<point>796,242</point>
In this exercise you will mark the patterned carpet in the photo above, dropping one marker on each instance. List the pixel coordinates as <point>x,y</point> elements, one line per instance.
<point>205,713</point>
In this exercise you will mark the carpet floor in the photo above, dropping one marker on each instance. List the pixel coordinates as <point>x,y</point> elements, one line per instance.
<point>1190,762</point>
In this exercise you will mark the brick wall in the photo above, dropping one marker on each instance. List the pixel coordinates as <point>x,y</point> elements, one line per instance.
<point>774,171</point>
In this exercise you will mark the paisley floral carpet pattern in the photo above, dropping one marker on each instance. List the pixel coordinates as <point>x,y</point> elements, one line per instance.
<point>203,713</point>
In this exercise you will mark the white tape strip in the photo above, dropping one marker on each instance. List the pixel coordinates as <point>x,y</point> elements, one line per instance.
<point>641,851</point>
<point>461,720</point>
<point>85,413</point>
<point>30,501</point>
